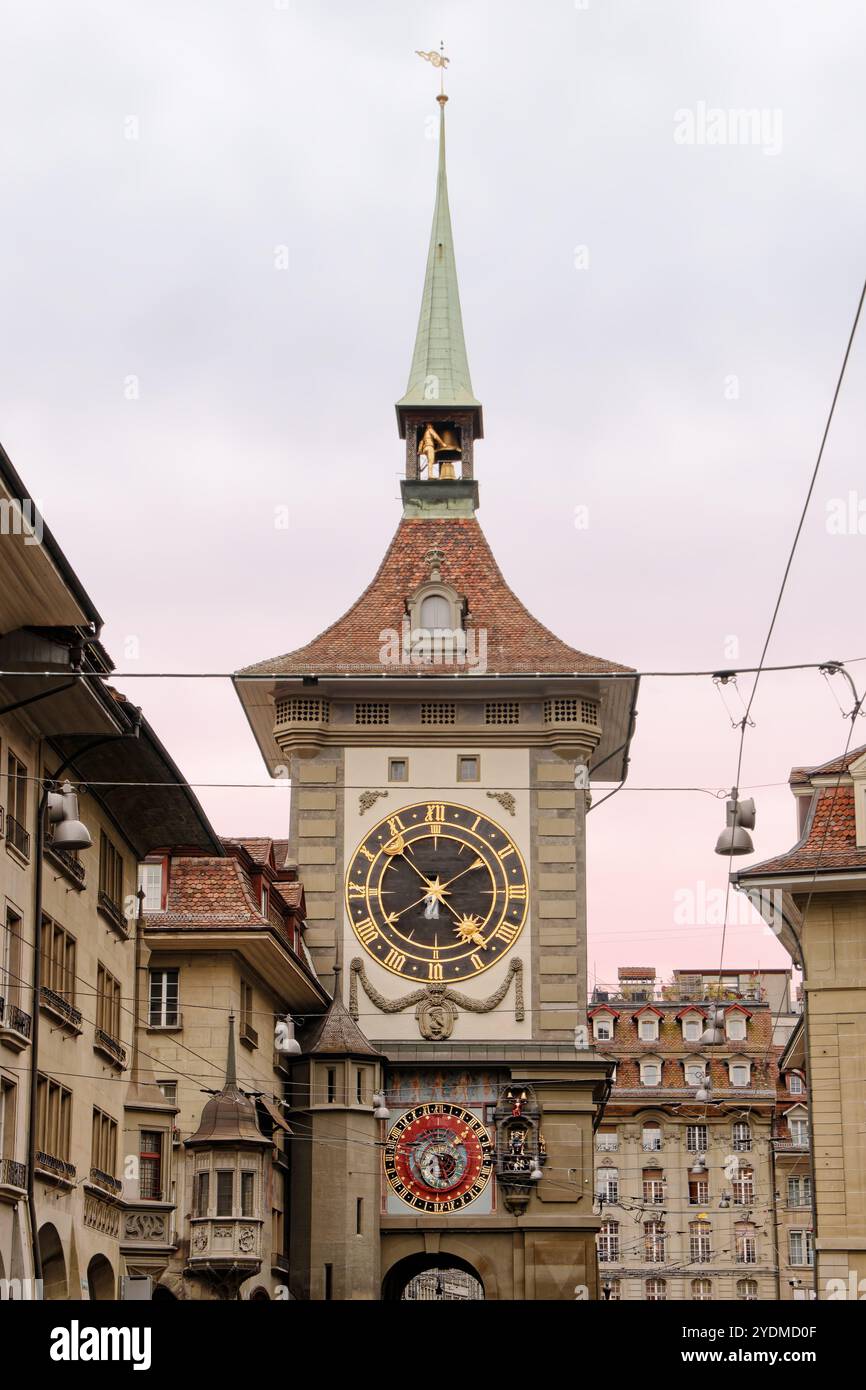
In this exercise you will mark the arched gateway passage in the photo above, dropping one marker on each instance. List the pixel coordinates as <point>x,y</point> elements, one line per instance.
<point>432,1278</point>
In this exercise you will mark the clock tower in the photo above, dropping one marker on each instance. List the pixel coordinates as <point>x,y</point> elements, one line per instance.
<point>442,744</point>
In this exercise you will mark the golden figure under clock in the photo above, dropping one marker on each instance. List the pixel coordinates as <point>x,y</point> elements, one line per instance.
<point>437,891</point>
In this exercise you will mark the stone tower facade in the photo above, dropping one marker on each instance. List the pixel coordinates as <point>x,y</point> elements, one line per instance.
<point>442,744</point>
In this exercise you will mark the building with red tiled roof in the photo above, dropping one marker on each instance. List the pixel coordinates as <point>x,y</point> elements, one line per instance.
<point>814,897</point>
<point>442,745</point>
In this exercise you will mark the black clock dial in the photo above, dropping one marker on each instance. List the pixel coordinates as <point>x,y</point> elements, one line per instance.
<point>437,891</point>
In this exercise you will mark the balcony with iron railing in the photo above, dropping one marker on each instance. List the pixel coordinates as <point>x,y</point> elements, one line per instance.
<point>15,1025</point>
<point>105,1182</point>
<point>110,1047</point>
<point>13,1180</point>
<point>112,913</point>
<point>64,860</point>
<point>60,1008</point>
<point>17,837</point>
<point>49,1165</point>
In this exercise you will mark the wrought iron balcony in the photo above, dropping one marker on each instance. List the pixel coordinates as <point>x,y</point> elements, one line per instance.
<point>13,1174</point>
<point>106,1181</point>
<point>61,1008</point>
<point>17,837</point>
<point>109,1045</point>
<point>112,913</point>
<point>57,1167</point>
<point>66,862</point>
<point>14,1019</point>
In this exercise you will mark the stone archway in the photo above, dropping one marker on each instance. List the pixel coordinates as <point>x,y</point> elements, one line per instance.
<point>432,1277</point>
<point>55,1283</point>
<point>100,1279</point>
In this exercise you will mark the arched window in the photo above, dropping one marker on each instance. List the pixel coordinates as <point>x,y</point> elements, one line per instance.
<point>651,1138</point>
<point>747,1289</point>
<point>435,612</point>
<point>656,1290</point>
<point>608,1242</point>
<point>702,1289</point>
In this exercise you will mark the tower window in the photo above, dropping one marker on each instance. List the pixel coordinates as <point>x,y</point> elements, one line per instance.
<point>332,1085</point>
<point>502,712</point>
<point>435,612</point>
<point>468,767</point>
<point>398,769</point>
<point>372,712</point>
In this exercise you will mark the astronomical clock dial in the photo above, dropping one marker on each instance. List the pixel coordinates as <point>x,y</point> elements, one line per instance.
<point>437,892</point>
<point>438,1158</point>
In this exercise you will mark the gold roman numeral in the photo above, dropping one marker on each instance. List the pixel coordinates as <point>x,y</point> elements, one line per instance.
<point>366,930</point>
<point>506,933</point>
<point>505,853</point>
<point>367,855</point>
<point>434,970</point>
<point>477,961</point>
<point>395,960</point>
<point>356,890</point>
<point>396,826</point>
<point>517,892</point>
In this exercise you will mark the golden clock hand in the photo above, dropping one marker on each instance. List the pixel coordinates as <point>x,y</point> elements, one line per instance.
<point>479,864</point>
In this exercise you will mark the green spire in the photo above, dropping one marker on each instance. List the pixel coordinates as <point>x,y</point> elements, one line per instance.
<point>439,375</point>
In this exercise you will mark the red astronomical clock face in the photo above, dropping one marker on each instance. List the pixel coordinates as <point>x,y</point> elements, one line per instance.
<point>438,1158</point>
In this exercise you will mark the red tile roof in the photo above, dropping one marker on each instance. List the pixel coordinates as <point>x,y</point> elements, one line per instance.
<point>516,641</point>
<point>829,842</point>
<point>208,892</point>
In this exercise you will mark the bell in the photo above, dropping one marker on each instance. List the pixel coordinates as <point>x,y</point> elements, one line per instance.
<point>449,442</point>
<point>71,834</point>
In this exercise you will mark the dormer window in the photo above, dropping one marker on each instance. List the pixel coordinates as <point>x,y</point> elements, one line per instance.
<point>795,1083</point>
<point>435,612</point>
<point>647,1025</point>
<point>739,1070</point>
<point>695,1073</point>
<point>735,1025</point>
<point>693,1025</point>
<point>603,1023</point>
<point>651,1071</point>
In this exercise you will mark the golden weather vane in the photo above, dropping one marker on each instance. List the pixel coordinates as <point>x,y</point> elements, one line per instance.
<point>438,60</point>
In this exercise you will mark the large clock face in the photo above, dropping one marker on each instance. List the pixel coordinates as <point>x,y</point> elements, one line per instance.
<point>437,892</point>
<point>438,1158</point>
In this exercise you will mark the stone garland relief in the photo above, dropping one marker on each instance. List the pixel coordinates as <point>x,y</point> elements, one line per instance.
<point>367,800</point>
<point>436,1003</point>
<point>506,801</point>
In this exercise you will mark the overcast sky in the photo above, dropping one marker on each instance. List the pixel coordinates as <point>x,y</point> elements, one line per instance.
<point>654,327</point>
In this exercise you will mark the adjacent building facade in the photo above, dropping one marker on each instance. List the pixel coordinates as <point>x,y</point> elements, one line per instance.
<point>814,897</point>
<point>684,1163</point>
